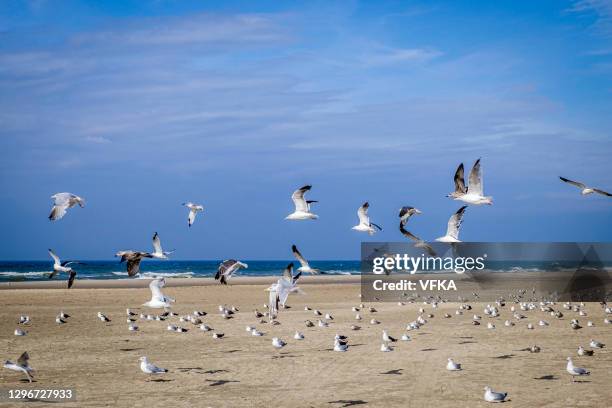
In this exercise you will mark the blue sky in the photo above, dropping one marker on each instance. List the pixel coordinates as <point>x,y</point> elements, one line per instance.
<point>140,106</point>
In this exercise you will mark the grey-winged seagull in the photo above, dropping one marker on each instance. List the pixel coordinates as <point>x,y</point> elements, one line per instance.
<point>62,202</point>
<point>302,206</point>
<point>584,190</point>
<point>473,193</point>
<point>63,267</point>
<point>193,211</point>
<point>452,229</point>
<point>227,268</point>
<point>365,225</point>
<point>22,365</point>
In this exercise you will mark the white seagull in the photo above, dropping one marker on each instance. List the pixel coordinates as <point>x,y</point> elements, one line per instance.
<point>227,268</point>
<point>158,252</point>
<point>452,230</point>
<point>364,221</point>
<point>575,371</point>
<point>473,194</point>
<point>193,210</point>
<point>302,206</point>
<point>62,202</point>
<point>22,365</point>
<point>584,190</point>
<point>452,366</point>
<point>305,266</point>
<point>150,368</point>
<point>278,343</point>
<point>158,299</point>
<point>59,266</point>
<point>492,396</point>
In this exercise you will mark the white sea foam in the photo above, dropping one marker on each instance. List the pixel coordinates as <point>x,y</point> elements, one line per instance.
<point>24,274</point>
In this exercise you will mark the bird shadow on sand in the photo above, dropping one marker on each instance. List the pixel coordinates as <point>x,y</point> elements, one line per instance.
<point>216,371</point>
<point>215,383</point>
<point>130,349</point>
<point>160,380</point>
<point>394,372</point>
<point>40,400</point>
<point>348,403</point>
<point>429,349</point>
<point>504,356</point>
<point>232,351</point>
<point>468,342</point>
<point>547,377</point>
<point>287,356</point>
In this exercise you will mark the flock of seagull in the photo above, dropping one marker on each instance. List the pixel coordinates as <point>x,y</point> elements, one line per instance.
<point>470,194</point>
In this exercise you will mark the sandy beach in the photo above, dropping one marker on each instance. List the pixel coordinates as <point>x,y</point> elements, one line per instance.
<point>100,360</point>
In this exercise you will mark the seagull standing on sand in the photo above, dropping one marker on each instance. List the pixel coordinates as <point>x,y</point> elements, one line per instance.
<point>452,366</point>
<point>492,396</point>
<point>158,252</point>
<point>305,266</point>
<point>227,268</point>
<point>302,206</point>
<point>59,266</point>
<point>158,299</point>
<point>62,202</point>
<point>193,211</point>
<point>452,230</point>
<point>575,371</point>
<point>364,221</point>
<point>584,190</point>
<point>150,368</point>
<point>133,259</point>
<point>22,365</point>
<point>473,194</point>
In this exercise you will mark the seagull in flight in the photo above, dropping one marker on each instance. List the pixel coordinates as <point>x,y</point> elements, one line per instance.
<point>419,243</point>
<point>158,252</point>
<point>227,269</point>
<point>473,193</point>
<point>305,266</point>
<point>302,206</point>
<point>454,223</point>
<point>59,266</point>
<point>584,190</point>
<point>62,202</point>
<point>193,211</point>
<point>158,299</point>
<point>364,221</point>
<point>22,365</point>
<point>133,259</point>
<point>279,291</point>
<point>406,212</point>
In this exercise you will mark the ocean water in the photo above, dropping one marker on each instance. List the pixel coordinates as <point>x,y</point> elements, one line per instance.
<point>14,271</point>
